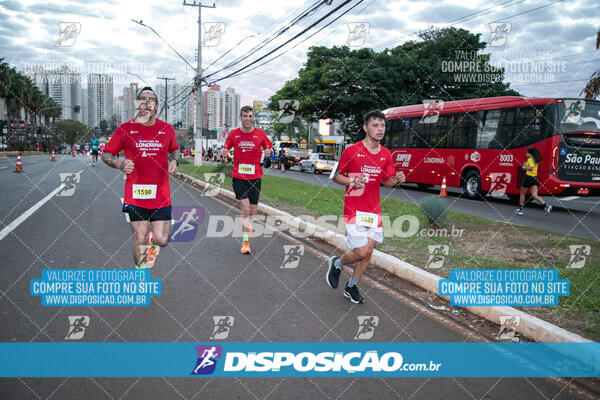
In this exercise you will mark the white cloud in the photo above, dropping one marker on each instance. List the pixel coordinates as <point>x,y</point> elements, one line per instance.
<point>111,43</point>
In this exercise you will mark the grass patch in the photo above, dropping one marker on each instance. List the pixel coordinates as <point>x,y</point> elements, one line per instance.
<point>474,243</point>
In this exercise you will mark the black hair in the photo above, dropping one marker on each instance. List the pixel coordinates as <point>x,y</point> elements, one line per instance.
<point>246,109</point>
<point>373,114</point>
<point>535,154</point>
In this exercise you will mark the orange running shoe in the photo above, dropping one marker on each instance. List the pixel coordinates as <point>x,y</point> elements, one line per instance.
<point>152,252</point>
<point>250,229</point>
<point>245,248</point>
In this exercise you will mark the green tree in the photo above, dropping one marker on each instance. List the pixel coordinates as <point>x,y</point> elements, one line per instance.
<point>343,84</point>
<point>592,89</point>
<point>103,126</point>
<point>71,131</point>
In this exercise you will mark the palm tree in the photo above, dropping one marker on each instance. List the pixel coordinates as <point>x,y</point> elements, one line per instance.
<point>592,89</point>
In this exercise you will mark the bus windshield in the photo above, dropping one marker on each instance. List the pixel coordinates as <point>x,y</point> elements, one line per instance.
<point>579,116</point>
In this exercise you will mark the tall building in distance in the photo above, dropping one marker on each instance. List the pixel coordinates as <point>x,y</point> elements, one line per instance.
<point>100,99</point>
<point>119,109</point>
<point>129,94</point>
<point>177,103</point>
<point>64,87</point>
<point>85,113</point>
<point>232,108</point>
<point>214,107</point>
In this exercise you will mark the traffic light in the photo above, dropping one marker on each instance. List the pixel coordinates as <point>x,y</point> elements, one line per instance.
<point>179,124</point>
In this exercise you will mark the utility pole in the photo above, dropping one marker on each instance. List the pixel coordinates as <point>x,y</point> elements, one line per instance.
<point>166,96</point>
<point>199,123</point>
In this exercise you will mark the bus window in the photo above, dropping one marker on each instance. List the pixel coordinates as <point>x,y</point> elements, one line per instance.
<point>404,132</point>
<point>445,134</point>
<point>421,132</point>
<point>391,138</point>
<point>528,127</point>
<point>465,132</point>
<point>487,129</point>
<point>504,138</point>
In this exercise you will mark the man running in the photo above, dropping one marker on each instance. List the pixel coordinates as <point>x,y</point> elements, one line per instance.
<point>362,167</point>
<point>248,143</point>
<point>94,147</point>
<point>151,153</point>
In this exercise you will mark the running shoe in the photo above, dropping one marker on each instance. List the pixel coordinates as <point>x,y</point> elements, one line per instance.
<point>518,211</point>
<point>333,273</point>
<point>152,252</point>
<point>547,209</point>
<point>245,248</point>
<point>353,295</point>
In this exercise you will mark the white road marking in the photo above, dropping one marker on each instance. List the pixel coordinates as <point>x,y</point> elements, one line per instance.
<point>569,198</point>
<point>13,225</point>
<point>3,167</point>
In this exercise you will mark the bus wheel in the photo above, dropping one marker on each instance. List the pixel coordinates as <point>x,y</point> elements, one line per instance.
<point>471,184</point>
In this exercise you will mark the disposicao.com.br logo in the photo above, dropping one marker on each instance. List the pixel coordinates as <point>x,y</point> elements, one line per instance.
<point>310,363</point>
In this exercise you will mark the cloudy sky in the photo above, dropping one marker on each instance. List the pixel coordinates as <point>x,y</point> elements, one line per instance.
<point>557,37</point>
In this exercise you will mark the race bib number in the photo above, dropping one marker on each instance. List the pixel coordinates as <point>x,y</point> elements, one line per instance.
<point>370,220</point>
<point>144,191</point>
<point>247,169</point>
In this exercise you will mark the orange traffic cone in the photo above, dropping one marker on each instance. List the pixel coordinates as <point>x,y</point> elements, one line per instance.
<point>443,189</point>
<point>19,167</point>
<point>53,158</point>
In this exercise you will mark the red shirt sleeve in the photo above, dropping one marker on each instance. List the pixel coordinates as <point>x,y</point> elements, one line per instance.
<point>266,143</point>
<point>228,142</point>
<point>388,169</point>
<point>115,144</point>
<point>344,163</point>
<point>173,143</point>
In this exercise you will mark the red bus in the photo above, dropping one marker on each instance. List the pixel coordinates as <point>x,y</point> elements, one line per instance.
<point>479,145</point>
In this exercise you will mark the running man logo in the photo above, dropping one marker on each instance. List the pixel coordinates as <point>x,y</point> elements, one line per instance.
<point>357,34</point>
<point>499,32</point>
<point>68,182</point>
<point>437,253</point>
<point>68,32</point>
<point>77,326</point>
<point>287,111</point>
<point>223,324</point>
<point>185,223</point>
<point>216,179</point>
<point>499,183</point>
<point>212,33</point>
<point>207,359</point>
<point>574,112</point>
<point>431,111</point>
<point>579,253</point>
<point>508,327</point>
<point>292,255</point>
<point>366,326</point>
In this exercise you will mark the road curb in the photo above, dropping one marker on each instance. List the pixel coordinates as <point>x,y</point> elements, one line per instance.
<point>529,326</point>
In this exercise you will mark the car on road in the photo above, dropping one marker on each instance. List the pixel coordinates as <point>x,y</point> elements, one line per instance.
<point>317,163</point>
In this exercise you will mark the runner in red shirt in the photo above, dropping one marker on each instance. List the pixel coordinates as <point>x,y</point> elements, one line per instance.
<point>361,168</point>
<point>151,153</point>
<point>248,143</point>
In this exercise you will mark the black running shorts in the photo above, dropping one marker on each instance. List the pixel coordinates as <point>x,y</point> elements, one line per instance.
<point>529,181</point>
<point>247,189</point>
<point>147,214</point>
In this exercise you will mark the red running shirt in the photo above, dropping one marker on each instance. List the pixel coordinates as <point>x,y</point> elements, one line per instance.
<point>247,151</point>
<point>148,147</point>
<point>362,206</point>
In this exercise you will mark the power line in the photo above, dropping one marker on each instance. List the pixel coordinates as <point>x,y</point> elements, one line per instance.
<point>279,55</point>
<point>286,42</point>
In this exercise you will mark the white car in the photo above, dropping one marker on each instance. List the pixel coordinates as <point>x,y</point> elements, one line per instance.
<point>318,162</point>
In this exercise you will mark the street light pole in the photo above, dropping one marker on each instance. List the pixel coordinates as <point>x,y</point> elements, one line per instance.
<point>199,98</point>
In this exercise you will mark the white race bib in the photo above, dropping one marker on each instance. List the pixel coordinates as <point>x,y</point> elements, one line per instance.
<point>143,191</point>
<point>247,169</point>
<point>370,220</point>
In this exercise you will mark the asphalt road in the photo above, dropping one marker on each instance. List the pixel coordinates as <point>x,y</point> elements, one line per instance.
<point>203,278</point>
<point>577,216</point>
